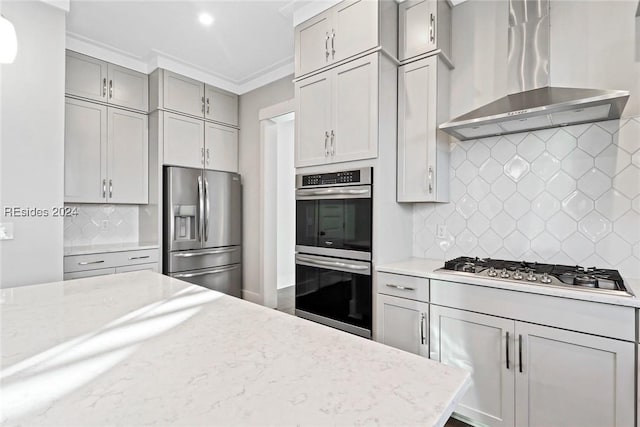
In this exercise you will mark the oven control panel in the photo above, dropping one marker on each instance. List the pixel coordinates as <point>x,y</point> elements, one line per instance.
<point>350,177</point>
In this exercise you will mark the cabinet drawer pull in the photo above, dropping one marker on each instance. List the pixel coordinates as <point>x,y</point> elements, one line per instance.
<point>402,288</point>
<point>90,262</point>
<point>138,257</point>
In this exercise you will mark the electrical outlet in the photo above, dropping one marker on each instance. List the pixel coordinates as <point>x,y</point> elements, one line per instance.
<point>105,225</point>
<point>6,231</point>
<point>441,231</point>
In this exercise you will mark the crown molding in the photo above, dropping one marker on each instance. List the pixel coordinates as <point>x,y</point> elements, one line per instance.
<point>311,9</point>
<point>158,59</point>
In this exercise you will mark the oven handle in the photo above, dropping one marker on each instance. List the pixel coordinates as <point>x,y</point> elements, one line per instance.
<point>356,268</point>
<point>361,192</point>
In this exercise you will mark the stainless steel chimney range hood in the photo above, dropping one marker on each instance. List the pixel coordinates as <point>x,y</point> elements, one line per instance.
<point>532,103</point>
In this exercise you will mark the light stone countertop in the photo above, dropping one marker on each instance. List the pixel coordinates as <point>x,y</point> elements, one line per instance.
<point>426,268</point>
<point>142,348</point>
<point>106,248</point>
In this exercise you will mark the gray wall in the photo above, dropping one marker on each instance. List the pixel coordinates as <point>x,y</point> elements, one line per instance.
<point>250,104</point>
<point>32,143</point>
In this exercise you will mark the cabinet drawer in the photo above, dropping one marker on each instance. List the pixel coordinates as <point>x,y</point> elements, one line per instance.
<point>139,267</point>
<point>89,273</point>
<point>416,288</point>
<point>582,316</point>
<point>137,257</point>
<point>107,260</point>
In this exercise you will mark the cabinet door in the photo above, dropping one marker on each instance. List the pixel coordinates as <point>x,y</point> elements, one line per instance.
<point>85,152</point>
<point>183,94</point>
<point>313,103</point>
<point>128,160</point>
<point>569,378</point>
<point>86,76</point>
<point>312,43</point>
<point>482,345</point>
<point>355,28</point>
<point>183,141</point>
<point>403,323</point>
<point>221,148</point>
<point>417,32</point>
<point>355,110</point>
<point>139,267</point>
<point>221,106</point>
<point>417,131</point>
<point>128,88</point>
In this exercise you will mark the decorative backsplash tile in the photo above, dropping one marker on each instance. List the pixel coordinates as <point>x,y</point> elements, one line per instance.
<point>101,224</point>
<point>564,196</point>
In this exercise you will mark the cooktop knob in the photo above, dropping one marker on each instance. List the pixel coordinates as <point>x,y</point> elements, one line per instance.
<point>504,274</point>
<point>531,277</point>
<point>517,275</point>
<point>545,278</point>
<point>492,272</point>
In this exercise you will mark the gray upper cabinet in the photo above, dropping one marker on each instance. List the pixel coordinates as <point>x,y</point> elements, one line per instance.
<point>221,106</point>
<point>179,94</point>
<point>182,94</point>
<point>91,78</point>
<point>424,26</point>
<point>183,140</point>
<point>221,147</point>
<point>105,154</point>
<point>350,28</point>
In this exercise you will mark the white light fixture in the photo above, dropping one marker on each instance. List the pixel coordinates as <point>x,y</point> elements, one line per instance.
<point>8,41</point>
<point>205,19</point>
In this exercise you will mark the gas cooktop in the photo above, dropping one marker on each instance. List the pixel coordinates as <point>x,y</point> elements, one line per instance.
<point>590,279</point>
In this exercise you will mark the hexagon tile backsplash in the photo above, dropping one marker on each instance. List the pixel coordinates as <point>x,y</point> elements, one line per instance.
<point>89,226</point>
<point>562,196</point>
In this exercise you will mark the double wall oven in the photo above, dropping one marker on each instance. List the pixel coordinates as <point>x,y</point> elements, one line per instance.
<point>333,249</point>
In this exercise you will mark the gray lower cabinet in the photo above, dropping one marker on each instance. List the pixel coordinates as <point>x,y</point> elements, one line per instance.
<point>89,273</point>
<point>100,264</point>
<point>529,375</point>
<point>141,267</point>
<point>403,323</point>
<point>94,79</point>
<point>105,154</point>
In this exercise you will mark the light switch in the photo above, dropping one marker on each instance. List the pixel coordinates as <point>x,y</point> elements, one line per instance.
<point>6,231</point>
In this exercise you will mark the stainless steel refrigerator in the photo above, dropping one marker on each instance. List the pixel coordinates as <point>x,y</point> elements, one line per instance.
<point>203,228</point>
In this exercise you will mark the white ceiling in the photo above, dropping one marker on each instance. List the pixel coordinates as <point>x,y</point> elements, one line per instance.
<point>249,44</point>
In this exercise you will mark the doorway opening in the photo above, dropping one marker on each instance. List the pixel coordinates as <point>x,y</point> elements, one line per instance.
<point>277,241</point>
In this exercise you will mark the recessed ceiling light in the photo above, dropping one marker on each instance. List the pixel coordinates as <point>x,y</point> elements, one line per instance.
<point>205,19</point>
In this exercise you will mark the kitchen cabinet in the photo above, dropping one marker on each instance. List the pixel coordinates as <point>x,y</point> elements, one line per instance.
<point>403,323</point>
<point>337,114</point>
<point>345,30</point>
<point>89,273</point>
<point>141,267</point>
<point>91,78</point>
<point>183,141</point>
<point>536,372</point>
<point>221,147</point>
<point>105,154</point>
<point>99,264</point>
<point>423,150</point>
<point>180,94</point>
<point>424,26</point>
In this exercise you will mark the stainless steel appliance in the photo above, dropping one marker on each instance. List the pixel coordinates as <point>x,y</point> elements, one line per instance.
<point>203,228</point>
<point>571,277</point>
<point>333,249</point>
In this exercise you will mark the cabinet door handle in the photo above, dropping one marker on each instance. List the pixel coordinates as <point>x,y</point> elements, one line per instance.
<point>432,28</point>
<point>208,157</point>
<point>104,188</point>
<point>208,106</point>
<point>202,155</point>
<point>104,86</point>
<point>333,49</point>
<point>110,188</point>
<point>507,351</point>
<point>430,180</point>
<point>326,48</point>
<point>110,89</point>
<point>326,140</point>
<point>333,146</point>
<point>423,339</point>
<point>520,351</point>
<point>402,288</point>
<point>203,105</point>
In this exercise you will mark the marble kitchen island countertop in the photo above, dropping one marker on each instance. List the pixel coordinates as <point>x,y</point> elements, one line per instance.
<point>142,348</point>
<point>422,267</point>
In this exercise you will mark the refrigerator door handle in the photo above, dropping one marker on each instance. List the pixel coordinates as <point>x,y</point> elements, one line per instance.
<point>200,207</point>
<point>205,273</point>
<point>207,209</point>
<point>213,252</point>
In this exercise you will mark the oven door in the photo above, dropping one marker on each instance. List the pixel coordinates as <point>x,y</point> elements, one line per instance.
<point>334,292</point>
<point>334,221</point>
